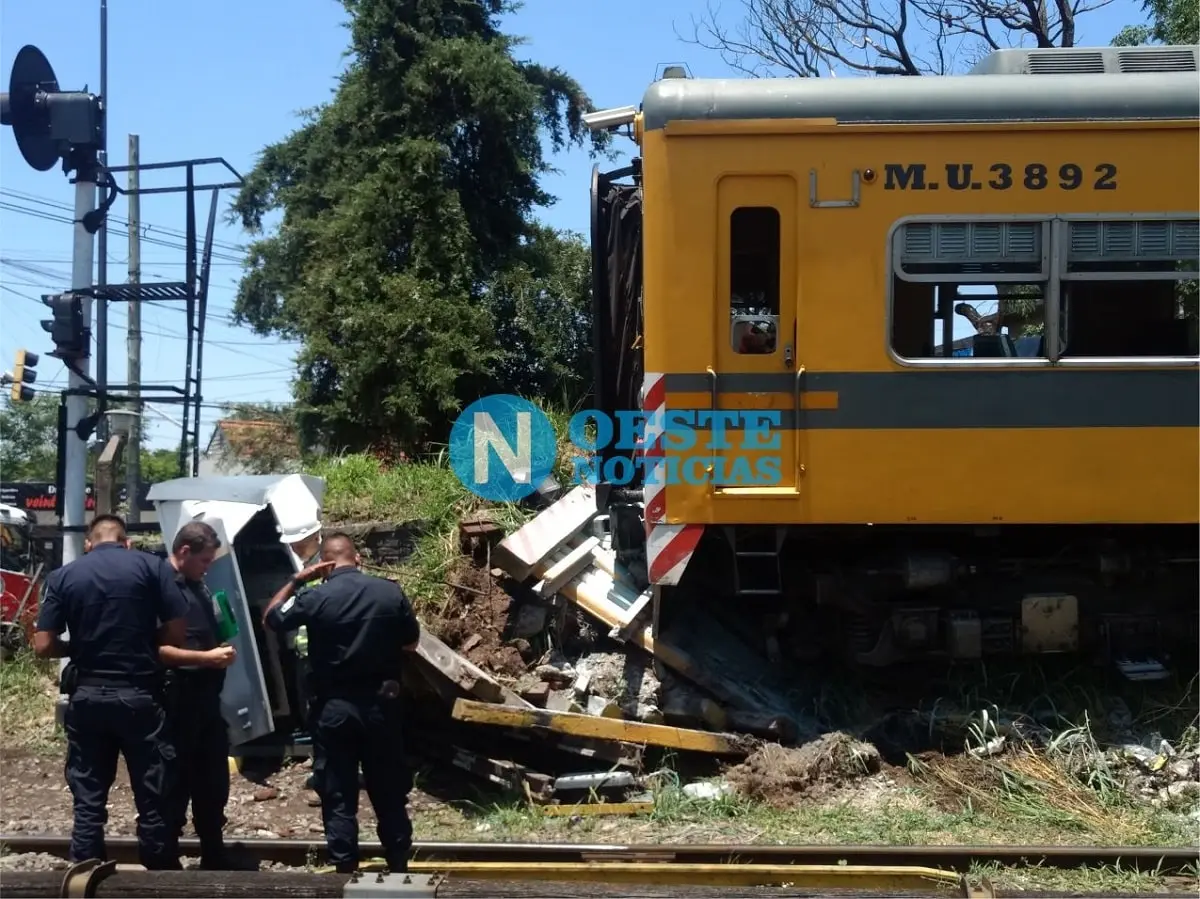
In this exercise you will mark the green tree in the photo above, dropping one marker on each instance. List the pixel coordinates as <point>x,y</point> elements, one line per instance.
<point>29,446</point>
<point>1171,22</point>
<point>157,465</point>
<point>542,310</point>
<point>407,221</point>
<point>29,439</point>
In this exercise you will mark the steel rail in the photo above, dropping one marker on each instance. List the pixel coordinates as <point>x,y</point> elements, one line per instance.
<point>1172,860</point>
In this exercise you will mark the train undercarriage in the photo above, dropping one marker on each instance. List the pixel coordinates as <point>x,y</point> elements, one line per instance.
<point>876,596</point>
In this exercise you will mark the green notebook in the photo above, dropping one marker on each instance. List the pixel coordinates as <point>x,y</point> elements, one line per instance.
<point>227,626</point>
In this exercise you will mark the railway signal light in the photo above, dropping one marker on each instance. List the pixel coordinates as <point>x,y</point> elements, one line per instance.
<point>66,326</point>
<point>48,123</point>
<point>23,374</point>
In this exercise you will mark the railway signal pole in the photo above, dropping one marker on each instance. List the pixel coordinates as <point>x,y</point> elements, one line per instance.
<point>52,125</point>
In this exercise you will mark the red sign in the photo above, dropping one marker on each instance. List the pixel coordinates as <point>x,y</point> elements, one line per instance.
<point>12,587</point>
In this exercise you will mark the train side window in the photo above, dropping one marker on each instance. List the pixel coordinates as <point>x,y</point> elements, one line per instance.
<point>1129,288</point>
<point>969,289</point>
<point>754,261</point>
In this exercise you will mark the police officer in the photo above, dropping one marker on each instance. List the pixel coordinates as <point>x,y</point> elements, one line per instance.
<point>357,624</point>
<point>196,677</point>
<point>111,602</point>
<point>307,550</point>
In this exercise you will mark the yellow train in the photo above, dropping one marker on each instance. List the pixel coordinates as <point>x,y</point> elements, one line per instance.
<point>949,325</point>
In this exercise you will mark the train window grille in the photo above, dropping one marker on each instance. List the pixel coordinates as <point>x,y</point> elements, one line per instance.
<point>1007,250</point>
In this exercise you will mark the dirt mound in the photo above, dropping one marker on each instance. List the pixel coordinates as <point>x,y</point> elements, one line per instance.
<point>474,623</point>
<point>779,776</point>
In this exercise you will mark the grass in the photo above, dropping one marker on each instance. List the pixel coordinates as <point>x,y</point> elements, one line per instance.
<point>360,488</point>
<point>904,817</point>
<point>27,697</point>
<point>1100,879</point>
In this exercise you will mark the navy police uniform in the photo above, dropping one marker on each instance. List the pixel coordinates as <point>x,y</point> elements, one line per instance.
<point>356,626</point>
<point>199,732</point>
<point>111,601</point>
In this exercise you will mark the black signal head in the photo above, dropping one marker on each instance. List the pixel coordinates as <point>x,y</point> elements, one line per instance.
<point>25,108</point>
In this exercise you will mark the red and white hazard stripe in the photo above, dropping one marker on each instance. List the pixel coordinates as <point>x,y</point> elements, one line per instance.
<point>669,547</point>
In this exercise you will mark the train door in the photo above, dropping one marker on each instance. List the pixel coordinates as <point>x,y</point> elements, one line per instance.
<point>758,355</point>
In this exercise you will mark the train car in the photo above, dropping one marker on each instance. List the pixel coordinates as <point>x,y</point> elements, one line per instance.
<point>965,309</point>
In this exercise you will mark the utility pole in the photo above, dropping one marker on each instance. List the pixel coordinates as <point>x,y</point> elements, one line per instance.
<point>52,125</point>
<point>102,235</point>
<point>82,257</point>
<point>134,336</point>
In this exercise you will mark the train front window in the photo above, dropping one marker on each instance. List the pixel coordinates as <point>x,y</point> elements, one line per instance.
<point>754,260</point>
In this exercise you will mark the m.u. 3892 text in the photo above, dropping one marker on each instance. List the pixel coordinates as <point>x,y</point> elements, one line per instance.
<point>1000,176</point>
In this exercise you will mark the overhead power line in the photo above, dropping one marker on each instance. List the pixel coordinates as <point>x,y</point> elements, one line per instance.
<point>67,220</point>
<point>145,227</point>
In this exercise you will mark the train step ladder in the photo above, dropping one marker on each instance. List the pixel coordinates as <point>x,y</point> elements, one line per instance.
<point>757,568</point>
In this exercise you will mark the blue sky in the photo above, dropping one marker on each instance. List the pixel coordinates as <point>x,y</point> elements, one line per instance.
<point>226,78</point>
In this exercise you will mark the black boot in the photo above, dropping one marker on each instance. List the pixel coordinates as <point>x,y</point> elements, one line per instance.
<point>219,857</point>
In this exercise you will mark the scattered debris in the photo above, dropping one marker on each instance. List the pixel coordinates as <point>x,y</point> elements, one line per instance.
<point>1164,775</point>
<point>780,775</point>
<point>603,728</point>
<point>705,789</point>
<point>547,679</point>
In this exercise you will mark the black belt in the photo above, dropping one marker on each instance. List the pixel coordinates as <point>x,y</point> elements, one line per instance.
<point>118,680</point>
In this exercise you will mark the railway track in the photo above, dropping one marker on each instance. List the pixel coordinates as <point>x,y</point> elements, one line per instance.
<point>1178,860</point>
<point>595,871</point>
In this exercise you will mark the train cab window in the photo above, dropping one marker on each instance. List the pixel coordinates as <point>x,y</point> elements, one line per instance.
<point>969,289</point>
<point>1129,288</point>
<point>754,259</point>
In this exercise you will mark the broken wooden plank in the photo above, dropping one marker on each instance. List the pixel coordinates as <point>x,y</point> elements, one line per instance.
<point>624,755</point>
<point>520,551</point>
<point>469,678</point>
<point>612,603</point>
<point>598,808</point>
<point>563,570</point>
<point>539,787</point>
<point>475,535</point>
<point>635,618</point>
<point>689,706</point>
<point>603,728</point>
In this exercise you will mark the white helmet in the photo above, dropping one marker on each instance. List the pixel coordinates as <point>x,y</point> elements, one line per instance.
<point>294,532</point>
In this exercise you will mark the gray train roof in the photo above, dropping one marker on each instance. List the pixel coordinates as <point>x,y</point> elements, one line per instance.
<point>1022,94</point>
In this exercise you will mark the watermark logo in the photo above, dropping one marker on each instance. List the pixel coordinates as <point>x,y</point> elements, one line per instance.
<point>503,447</point>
